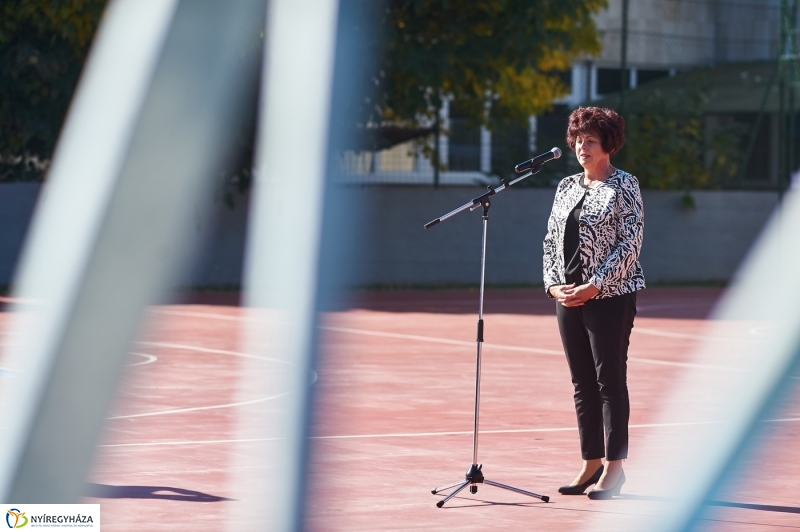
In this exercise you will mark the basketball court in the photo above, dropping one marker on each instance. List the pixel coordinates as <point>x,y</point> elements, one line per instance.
<point>394,390</point>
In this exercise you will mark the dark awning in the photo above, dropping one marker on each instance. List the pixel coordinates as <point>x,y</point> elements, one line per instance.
<point>381,138</point>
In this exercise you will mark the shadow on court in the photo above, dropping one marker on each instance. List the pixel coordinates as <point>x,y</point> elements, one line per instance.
<point>724,504</point>
<point>656,302</point>
<point>759,507</point>
<point>105,491</point>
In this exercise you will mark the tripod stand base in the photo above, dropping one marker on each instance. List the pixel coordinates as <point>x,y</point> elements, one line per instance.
<point>473,478</point>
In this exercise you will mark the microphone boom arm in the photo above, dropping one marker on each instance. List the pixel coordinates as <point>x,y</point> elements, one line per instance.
<point>504,184</point>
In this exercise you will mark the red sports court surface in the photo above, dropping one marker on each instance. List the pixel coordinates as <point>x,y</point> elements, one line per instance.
<point>394,418</point>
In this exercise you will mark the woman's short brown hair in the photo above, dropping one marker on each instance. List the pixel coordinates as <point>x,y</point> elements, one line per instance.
<point>605,123</point>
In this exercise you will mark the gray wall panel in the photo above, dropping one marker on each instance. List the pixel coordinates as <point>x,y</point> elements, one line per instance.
<point>391,247</point>
<point>701,244</point>
<point>17,201</point>
<point>705,243</point>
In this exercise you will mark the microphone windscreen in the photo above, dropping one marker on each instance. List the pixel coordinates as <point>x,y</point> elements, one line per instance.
<point>556,153</point>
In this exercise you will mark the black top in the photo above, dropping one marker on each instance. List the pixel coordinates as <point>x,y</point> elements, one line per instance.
<point>573,270</point>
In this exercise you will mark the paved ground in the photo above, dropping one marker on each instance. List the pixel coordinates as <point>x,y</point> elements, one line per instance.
<point>394,417</point>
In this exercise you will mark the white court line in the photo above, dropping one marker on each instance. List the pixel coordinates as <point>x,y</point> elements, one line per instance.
<point>656,332</point>
<point>664,306</point>
<point>210,407</point>
<point>783,420</point>
<point>198,442</point>
<point>212,351</point>
<point>463,343</point>
<point>433,339</point>
<point>513,302</point>
<point>379,334</point>
<point>20,300</point>
<point>211,315</point>
<point>191,314</point>
<point>148,359</point>
<point>421,434</point>
<point>658,362</point>
<point>511,347</point>
<point>536,350</point>
<point>199,408</point>
<point>366,332</point>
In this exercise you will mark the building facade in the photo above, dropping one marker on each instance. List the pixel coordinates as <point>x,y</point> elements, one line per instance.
<point>664,38</point>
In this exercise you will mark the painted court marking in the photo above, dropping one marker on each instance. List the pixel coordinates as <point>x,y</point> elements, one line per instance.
<point>535,350</point>
<point>421,434</point>
<point>364,332</point>
<point>148,359</point>
<point>432,339</point>
<point>190,314</point>
<point>527,303</point>
<point>667,334</point>
<point>170,345</point>
<point>200,408</point>
<point>153,358</point>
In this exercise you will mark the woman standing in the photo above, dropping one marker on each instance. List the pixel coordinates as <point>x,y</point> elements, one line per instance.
<point>591,269</point>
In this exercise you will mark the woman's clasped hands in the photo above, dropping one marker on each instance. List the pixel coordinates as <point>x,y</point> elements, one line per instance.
<point>570,295</point>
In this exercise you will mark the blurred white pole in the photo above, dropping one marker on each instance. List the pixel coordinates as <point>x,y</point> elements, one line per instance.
<point>90,153</point>
<point>142,146</point>
<point>686,468</point>
<point>283,250</point>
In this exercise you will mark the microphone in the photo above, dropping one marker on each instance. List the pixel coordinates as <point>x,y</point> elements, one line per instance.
<point>539,160</point>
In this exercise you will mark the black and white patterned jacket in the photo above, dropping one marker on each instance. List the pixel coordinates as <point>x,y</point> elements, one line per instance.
<point>611,229</point>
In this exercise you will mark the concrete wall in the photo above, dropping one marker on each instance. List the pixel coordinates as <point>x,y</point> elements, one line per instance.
<point>219,230</point>
<point>702,244</point>
<point>17,201</point>
<point>391,247</point>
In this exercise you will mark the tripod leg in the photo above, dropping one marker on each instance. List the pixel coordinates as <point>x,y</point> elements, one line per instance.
<point>455,491</point>
<point>446,486</point>
<point>545,498</point>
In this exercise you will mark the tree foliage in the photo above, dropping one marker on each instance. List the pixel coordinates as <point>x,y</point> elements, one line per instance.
<point>671,145</point>
<point>43,44</point>
<point>509,53</point>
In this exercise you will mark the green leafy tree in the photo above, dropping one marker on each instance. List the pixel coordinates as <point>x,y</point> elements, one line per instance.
<point>43,44</point>
<point>669,145</point>
<point>506,53</point>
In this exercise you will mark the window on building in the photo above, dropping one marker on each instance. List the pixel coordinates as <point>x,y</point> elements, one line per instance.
<point>464,143</point>
<point>551,131</point>
<point>510,146</point>
<point>759,166</point>
<point>760,169</point>
<point>646,75</point>
<point>609,80</point>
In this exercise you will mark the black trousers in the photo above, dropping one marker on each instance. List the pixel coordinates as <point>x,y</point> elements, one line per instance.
<point>596,337</point>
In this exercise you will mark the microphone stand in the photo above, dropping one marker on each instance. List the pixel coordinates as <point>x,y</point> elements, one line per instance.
<point>474,474</point>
